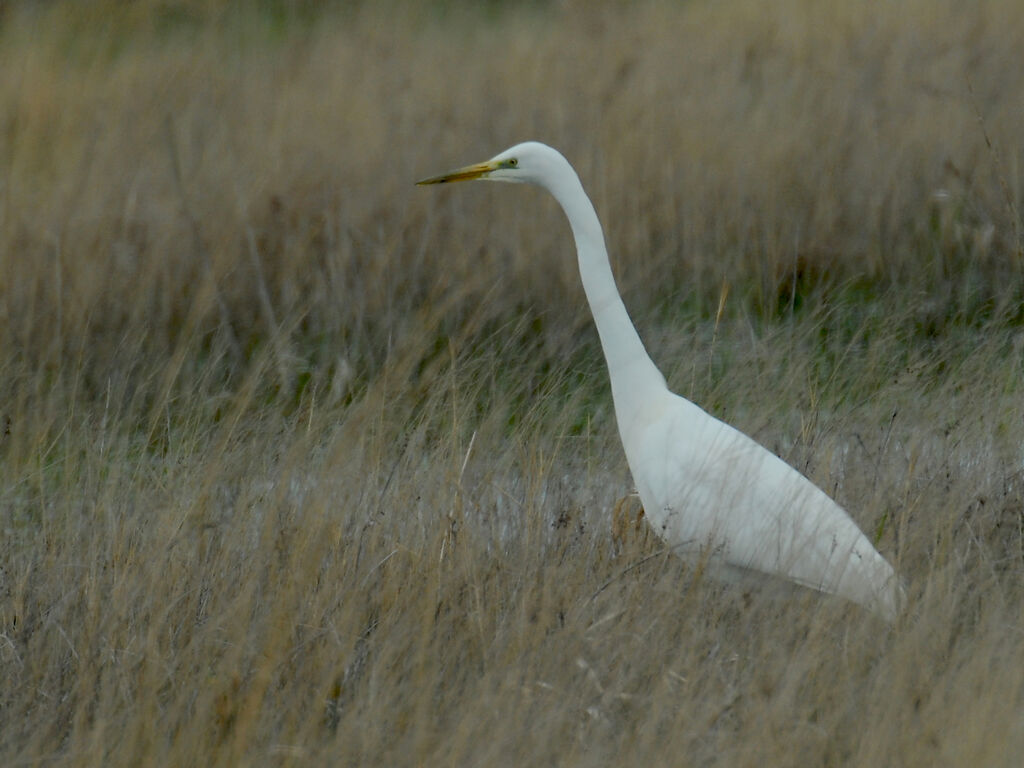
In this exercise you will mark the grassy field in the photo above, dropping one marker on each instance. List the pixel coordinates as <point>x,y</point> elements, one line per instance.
<point>303,465</point>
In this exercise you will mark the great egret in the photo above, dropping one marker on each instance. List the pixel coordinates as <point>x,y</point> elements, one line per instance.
<point>706,488</point>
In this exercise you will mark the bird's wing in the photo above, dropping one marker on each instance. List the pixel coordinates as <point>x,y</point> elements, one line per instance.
<point>705,484</point>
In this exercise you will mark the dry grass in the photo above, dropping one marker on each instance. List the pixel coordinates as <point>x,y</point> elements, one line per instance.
<point>304,465</point>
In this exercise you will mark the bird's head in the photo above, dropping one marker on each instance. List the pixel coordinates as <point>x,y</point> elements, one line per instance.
<point>526,163</point>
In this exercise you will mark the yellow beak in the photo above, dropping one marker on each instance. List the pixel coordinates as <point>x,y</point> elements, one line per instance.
<point>467,173</point>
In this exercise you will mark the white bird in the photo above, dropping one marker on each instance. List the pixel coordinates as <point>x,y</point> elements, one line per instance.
<point>706,488</point>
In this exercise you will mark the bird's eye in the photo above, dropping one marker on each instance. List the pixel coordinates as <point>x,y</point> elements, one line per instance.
<point>512,162</point>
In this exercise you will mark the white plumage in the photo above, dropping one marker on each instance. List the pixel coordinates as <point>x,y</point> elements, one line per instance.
<point>705,486</point>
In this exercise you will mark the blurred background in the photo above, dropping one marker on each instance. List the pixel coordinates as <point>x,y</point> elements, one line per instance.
<point>190,176</point>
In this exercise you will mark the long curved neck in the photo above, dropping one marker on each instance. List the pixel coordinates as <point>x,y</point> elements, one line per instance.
<point>630,368</point>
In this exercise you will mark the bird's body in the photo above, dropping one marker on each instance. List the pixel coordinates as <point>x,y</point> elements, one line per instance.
<point>706,488</point>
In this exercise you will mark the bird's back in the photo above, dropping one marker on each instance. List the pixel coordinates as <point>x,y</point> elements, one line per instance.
<point>706,487</point>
